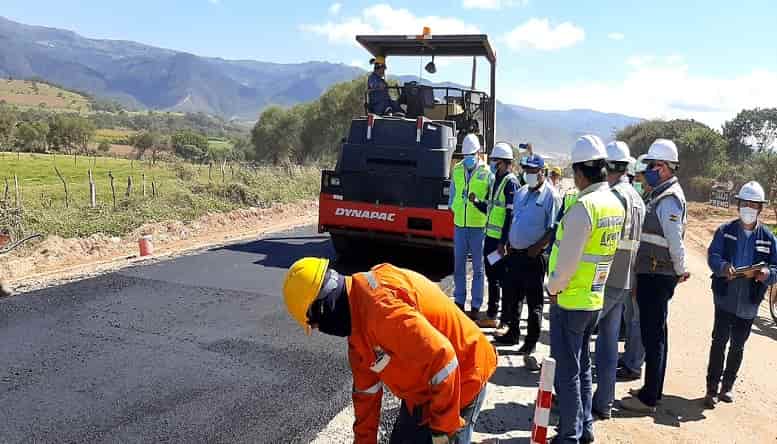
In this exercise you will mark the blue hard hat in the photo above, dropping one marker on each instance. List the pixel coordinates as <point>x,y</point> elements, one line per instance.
<point>533,161</point>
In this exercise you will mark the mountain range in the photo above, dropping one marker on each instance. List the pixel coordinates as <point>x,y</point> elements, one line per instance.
<point>143,76</point>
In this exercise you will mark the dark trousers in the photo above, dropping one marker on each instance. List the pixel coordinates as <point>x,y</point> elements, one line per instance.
<point>408,428</point>
<point>655,292</point>
<point>494,274</point>
<point>727,327</point>
<point>523,281</point>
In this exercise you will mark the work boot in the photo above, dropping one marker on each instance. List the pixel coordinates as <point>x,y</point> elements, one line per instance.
<point>710,400</point>
<point>624,374</point>
<point>600,416</point>
<point>726,396</point>
<point>587,438</point>
<point>510,337</point>
<point>635,404</point>
<point>531,363</point>
<point>527,349</point>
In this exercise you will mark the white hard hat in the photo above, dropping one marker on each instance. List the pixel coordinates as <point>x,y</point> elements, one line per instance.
<point>587,148</point>
<point>502,150</point>
<point>632,168</point>
<point>618,152</point>
<point>752,192</point>
<point>641,166</point>
<point>470,145</point>
<point>662,149</point>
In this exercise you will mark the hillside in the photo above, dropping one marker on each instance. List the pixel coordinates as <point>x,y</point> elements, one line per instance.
<point>32,94</point>
<point>144,76</point>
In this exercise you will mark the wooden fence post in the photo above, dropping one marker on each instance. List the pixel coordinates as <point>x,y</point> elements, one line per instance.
<point>5,194</point>
<point>210,171</point>
<point>223,167</point>
<point>92,191</point>
<point>153,189</point>
<point>64,185</point>
<point>113,189</point>
<point>144,184</point>
<point>129,187</point>
<point>17,190</point>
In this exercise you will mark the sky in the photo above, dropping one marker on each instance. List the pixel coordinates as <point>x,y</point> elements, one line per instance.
<point>659,59</point>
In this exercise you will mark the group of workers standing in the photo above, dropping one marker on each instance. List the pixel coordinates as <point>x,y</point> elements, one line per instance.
<point>612,249</point>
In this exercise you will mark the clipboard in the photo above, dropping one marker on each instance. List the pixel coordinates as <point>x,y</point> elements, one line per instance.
<point>748,272</point>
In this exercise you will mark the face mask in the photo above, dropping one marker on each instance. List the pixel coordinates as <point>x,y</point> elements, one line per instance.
<point>652,177</point>
<point>638,187</point>
<point>470,162</point>
<point>331,310</point>
<point>532,180</point>
<point>748,215</point>
<point>494,167</point>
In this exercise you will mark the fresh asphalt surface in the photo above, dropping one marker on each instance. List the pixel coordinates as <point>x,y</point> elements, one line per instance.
<point>196,349</point>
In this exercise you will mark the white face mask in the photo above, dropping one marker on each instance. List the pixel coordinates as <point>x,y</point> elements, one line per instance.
<point>748,215</point>
<point>532,180</point>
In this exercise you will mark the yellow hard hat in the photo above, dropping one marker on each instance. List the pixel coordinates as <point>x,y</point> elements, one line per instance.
<point>378,60</point>
<point>556,170</point>
<point>302,285</point>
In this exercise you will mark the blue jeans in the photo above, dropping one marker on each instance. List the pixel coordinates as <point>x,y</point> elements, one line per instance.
<point>570,334</point>
<point>607,348</point>
<point>409,430</point>
<point>468,241</point>
<point>634,352</point>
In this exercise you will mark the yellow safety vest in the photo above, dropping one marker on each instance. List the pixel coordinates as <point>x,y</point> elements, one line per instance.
<point>465,213</point>
<point>586,288</point>
<point>497,207</point>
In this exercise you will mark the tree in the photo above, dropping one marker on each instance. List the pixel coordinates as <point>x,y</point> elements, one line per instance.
<point>751,128</point>
<point>104,147</point>
<point>161,143</point>
<point>190,145</point>
<point>7,127</point>
<point>31,136</point>
<point>143,141</point>
<point>277,134</point>
<point>70,133</point>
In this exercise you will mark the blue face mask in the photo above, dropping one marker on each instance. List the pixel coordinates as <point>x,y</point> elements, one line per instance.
<point>470,162</point>
<point>494,167</point>
<point>653,178</point>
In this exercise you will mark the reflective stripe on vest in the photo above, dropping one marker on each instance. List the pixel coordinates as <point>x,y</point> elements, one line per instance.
<point>655,239</point>
<point>585,290</point>
<point>465,213</point>
<point>497,208</point>
<point>371,279</point>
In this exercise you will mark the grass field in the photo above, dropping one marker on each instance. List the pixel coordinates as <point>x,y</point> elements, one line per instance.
<point>184,192</point>
<point>29,94</point>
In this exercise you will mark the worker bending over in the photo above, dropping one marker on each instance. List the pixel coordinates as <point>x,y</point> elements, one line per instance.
<point>405,333</point>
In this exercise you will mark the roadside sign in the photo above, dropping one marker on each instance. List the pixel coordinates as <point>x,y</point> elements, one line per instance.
<point>721,199</point>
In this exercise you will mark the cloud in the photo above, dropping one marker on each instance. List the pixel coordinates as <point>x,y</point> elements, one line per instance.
<point>539,34</point>
<point>492,4</point>
<point>384,19</point>
<point>358,64</point>
<point>660,87</point>
<point>335,8</point>
<point>616,36</point>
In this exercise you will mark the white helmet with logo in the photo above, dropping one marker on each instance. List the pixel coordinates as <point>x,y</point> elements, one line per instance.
<point>588,148</point>
<point>752,192</point>
<point>470,145</point>
<point>641,166</point>
<point>664,150</point>
<point>502,150</point>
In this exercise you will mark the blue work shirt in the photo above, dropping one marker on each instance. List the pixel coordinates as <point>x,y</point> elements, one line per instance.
<point>737,298</point>
<point>380,100</point>
<point>534,213</point>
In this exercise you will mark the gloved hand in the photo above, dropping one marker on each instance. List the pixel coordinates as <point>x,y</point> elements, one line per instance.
<point>440,438</point>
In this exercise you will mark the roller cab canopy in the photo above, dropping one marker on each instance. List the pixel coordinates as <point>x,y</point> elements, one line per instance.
<point>475,45</point>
